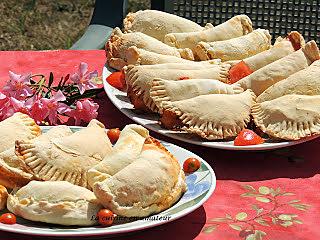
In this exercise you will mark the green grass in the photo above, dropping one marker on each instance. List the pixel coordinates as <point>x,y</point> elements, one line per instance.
<point>47,24</point>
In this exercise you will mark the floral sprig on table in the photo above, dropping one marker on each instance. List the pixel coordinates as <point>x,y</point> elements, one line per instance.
<point>275,211</point>
<point>48,103</point>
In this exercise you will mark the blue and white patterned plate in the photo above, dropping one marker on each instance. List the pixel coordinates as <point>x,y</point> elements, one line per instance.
<point>201,185</point>
<point>151,121</point>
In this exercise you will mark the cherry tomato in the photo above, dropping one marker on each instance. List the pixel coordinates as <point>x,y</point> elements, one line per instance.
<point>113,134</point>
<point>116,79</point>
<point>183,78</point>
<point>8,218</point>
<point>191,165</point>
<point>105,217</point>
<point>248,137</point>
<point>239,71</point>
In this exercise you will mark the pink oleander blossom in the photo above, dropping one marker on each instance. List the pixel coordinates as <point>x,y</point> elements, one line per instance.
<point>17,86</point>
<point>84,79</point>
<point>22,106</point>
<point>38,112</point>
<point>53,106</point>
<point>86,110</point>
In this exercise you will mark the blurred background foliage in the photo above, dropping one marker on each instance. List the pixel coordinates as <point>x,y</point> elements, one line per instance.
<point>47,24</point>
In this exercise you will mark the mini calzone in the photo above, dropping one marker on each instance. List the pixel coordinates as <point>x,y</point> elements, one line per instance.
<point>67,158</point>
<point>274,72</point>
<point>119,42</point>
<point>166,90</point>
<point>139,80</point>
<point>236,48</point>
<point>304,82</point>
<point>135,56</point>
<point>235,27</point>
<point>125,151</point>
<point>57,202</point>
<point>282,47</point>
<point>12,173</point>
<point>157,23</point>
<point>18,126</point>
<point>150,184</point>
<point>214,116</point>
<point>289,117</point>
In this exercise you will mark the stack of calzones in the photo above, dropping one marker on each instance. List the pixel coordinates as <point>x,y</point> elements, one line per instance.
<point>136,177</point>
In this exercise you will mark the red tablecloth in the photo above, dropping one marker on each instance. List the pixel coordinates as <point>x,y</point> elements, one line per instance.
<point>261,191</point>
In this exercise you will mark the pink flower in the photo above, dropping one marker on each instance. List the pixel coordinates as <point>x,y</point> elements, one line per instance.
<point>17,86</point>
<point>52,107</point>
<point>84,79</point>
<point>38,111</point>
<point>5,107</point>
<point>21,106</point>
<point>86,110</point>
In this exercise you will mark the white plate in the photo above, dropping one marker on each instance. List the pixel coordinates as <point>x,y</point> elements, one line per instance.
<point>201,185</point>
<point>150,121</point>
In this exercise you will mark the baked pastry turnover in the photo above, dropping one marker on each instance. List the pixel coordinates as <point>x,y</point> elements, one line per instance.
<point>3,197</point>
<point>150,184</point>
<point>157,24</point>
<point>125,151</point>
<point>304,82</point>
<point>139,79</point>
<point>282,47</point>
<point>57,202</point>
<point>289,117</point>
<point>119,42</point>
<point>166,90</point>
<point>18,126</point>
<point>12,172</point>
<point>274,72</point>
<point>223,116</point>
<point>66,158</point>
<point>236,48</point>
<point>235,27</point>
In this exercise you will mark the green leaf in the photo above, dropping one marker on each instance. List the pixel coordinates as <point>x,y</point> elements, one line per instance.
<point>261,222</point>
<point>259,235</point>
<point>285,217</point>
<point>302,207</point>
<point>297,221</point>
<point>257,208</point>
<point>241,216</point>
<point>250,195</point>
<point>249,188</point>
<point>235,227</point>
<point>264,190</point>
<point>286,223</point>
<point>274,220</point>
<point>294,201</point>
<point>251,237</point>
<point>287,194</point>
<point>50,79</point>
<point>209,229</point>
<point>219,220</point>
<point>263,199</point>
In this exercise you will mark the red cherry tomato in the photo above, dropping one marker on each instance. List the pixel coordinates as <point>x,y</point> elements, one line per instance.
<point>184,78</point>
<point>105,217</point>
<point>113,134</point>
<point>117,80</point>
<point>239,71</point>
<point>191,165</point>
<point>8,218</point>
<point>248,137</point>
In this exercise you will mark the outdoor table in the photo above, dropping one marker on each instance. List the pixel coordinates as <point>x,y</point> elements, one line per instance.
<point>274,195</point>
